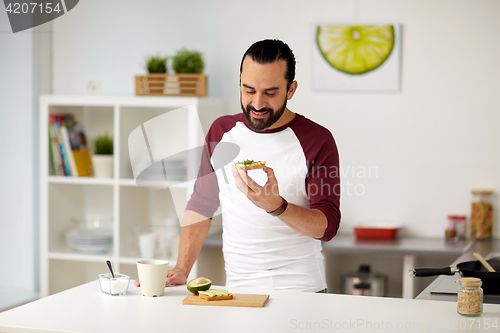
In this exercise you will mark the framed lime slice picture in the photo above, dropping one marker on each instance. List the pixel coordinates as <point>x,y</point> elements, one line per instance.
<point>355,49</point>
<point>356,57</point>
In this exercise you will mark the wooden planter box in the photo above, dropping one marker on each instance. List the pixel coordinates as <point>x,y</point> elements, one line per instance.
<point>171,85</point>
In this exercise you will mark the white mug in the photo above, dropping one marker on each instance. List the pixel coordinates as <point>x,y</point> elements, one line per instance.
<point>152,277</point>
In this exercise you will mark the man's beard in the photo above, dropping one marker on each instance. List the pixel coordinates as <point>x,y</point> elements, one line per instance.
<point>262,124</point>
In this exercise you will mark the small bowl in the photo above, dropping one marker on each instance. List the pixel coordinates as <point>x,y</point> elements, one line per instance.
<point>114,286</point>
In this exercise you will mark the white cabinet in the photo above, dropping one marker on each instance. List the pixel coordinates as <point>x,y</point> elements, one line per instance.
<point>129,208</point>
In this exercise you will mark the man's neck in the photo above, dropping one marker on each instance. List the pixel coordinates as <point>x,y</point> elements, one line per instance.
<point>285,118</point>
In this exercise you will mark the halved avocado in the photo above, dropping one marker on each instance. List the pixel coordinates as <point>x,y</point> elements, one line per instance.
<point>199,284</point>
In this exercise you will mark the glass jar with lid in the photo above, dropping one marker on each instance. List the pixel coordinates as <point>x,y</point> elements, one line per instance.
<point>456,227</point>
<point>481,218</point>
<point>470,297</point>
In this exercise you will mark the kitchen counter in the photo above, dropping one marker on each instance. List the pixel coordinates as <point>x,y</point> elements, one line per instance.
<point>438,289</point>
<point>398,245</point>
<point>87,309</point>
<point>407,247</point>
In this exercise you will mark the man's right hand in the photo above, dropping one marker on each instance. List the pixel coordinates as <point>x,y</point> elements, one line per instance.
<point>174,277</point>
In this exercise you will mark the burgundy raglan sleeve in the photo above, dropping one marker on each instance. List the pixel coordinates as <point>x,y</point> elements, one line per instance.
<point>323,178</point>
<point>205,197</point>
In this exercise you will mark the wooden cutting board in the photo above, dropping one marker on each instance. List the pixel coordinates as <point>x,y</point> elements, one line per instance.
<point>250,300</point>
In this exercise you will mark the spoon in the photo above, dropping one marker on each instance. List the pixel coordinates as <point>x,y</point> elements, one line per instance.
<point>110,268</point>
<point>484,262</point>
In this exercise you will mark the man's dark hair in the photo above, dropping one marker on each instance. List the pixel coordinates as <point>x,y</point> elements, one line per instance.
<point>271,50</point>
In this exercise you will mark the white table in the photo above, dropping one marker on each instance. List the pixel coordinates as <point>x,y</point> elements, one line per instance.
<point>86,309</point>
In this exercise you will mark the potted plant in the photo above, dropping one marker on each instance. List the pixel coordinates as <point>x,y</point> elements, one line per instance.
<point>185,61</point>
<point>188,79</point>
<point>154,82</point>
<point>156,64</point>
<point>102,158</point>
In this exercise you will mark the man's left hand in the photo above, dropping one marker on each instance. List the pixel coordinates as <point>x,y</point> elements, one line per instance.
<point>266,197</point>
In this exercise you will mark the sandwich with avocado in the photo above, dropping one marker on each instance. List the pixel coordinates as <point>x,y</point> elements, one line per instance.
<point>249,165</point>
<point>215,295</point>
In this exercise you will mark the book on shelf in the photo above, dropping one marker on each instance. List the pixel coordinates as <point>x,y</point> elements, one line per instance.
<point>68,151</point>
<point>70,154</point>
<point>61,119</point>
<point>55,147</point>
<point>81,153</point>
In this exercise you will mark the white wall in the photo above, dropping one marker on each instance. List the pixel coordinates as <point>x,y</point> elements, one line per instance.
<point>24,74</point>
<point>430,143</point>
<point>16,151</point>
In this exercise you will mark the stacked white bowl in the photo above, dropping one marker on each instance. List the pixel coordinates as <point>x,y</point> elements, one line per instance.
<point>90,238</point>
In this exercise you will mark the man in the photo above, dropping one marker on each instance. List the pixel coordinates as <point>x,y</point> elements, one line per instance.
<point>273,220</point>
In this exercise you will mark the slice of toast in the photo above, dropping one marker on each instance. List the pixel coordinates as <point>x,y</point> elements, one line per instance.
<point>250,165</point>
<point>216,298</point>
<point>215,295</point>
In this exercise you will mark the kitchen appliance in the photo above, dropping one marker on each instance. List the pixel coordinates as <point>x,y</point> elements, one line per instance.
<point>491,280</point>
<point>364,282</point>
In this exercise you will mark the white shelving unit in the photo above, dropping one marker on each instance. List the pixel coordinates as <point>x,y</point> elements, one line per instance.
<point>129,207</point>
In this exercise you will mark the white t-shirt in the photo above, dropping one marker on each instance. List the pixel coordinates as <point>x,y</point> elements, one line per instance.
<point>261,251</point>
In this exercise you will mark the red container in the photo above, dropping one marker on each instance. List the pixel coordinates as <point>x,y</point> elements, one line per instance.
<point>376,232</point>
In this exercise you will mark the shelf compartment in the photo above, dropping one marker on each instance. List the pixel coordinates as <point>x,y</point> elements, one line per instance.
<point>96,120</point>
<point>69,201</point>
<point>145,211</point>
<point>158,133</point>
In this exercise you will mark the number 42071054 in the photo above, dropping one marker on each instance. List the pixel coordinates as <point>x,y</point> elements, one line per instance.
<point>32,7</point>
